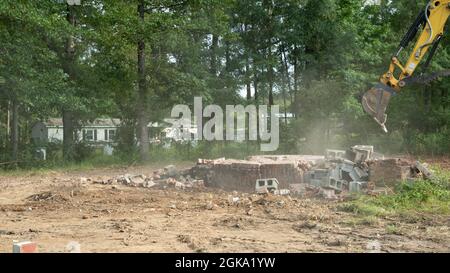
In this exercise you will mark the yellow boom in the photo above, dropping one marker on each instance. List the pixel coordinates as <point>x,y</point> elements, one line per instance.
<point>430,22</point>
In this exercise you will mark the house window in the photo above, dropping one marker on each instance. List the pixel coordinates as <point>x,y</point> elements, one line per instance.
<point>90,135</point>
<point>110,135</point>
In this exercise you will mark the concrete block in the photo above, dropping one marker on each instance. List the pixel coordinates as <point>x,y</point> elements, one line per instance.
<point>198,184</point>
<point>362,153</point>
<point>318,183</point>
<point>282,192</point>
<point>335,184</point>
<point>320,174</point>
<point>24,247</point>
<point>335,154</point>
<point>356,187</point>
<point>361,172</point>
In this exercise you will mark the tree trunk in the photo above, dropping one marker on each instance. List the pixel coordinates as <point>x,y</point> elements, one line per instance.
<point>288,79</point>
<point>68,135</point>
<point>255,80</point>
<point>444,100</point>
<point>68,115</point>
<point>8,121</point>
<point>296,108</point>
<point>214,46</point>
<point>144,146</point>
<point>227,57</point>
<point>15,130</point>
<point>286,86</point>
<point>270,30</point>
<point>248,80</point>
<point>271,102</point>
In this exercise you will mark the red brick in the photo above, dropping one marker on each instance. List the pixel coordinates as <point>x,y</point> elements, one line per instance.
<point>25,247</point>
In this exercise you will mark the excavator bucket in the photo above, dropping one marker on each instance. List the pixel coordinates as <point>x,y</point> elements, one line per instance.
<point>375,102</point>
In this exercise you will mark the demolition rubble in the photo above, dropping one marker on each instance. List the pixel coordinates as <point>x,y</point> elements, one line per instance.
<point>337,174</point>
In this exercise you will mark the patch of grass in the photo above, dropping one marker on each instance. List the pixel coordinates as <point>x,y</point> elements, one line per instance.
<point>422,196</point>
<point>432,197</point>
<point>95,161</point>
<point>362,208</point>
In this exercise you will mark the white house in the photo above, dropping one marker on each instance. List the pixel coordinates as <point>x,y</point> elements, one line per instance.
<point>99,131</point>
<point>103,131</point>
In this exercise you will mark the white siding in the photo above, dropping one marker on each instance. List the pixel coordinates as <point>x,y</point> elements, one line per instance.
<point>101,135</point>
<point>43,133</point>
<point>55,134</point>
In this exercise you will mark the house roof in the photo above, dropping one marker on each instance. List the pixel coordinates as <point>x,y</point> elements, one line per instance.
<point>100,122</point>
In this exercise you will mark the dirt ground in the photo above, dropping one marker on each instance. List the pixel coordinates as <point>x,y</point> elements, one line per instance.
<point>57,208</point>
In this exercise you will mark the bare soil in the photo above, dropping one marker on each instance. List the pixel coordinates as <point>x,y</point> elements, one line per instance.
<point>56,208</point>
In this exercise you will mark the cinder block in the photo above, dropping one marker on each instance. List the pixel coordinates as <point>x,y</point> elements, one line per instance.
<point>356,187</point>
<point>24,247</point>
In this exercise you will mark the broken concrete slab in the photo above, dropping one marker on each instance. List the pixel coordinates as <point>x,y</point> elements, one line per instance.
<point>389,172</point>
<point>149,184</point>
<point>242,174</point>
<point>423,168</point>
<point>130,180</point>
<point>138,180</point>
<point>170,171</point>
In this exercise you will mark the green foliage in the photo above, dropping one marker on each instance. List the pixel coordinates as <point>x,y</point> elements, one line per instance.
<point>313,57</point>
<point>419,196</point>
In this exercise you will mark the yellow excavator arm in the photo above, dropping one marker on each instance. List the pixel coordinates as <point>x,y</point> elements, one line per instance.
<point>431,23</point>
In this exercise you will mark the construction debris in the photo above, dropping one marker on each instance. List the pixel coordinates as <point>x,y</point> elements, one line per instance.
<point>169,177</point>
<point>358,170</point>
